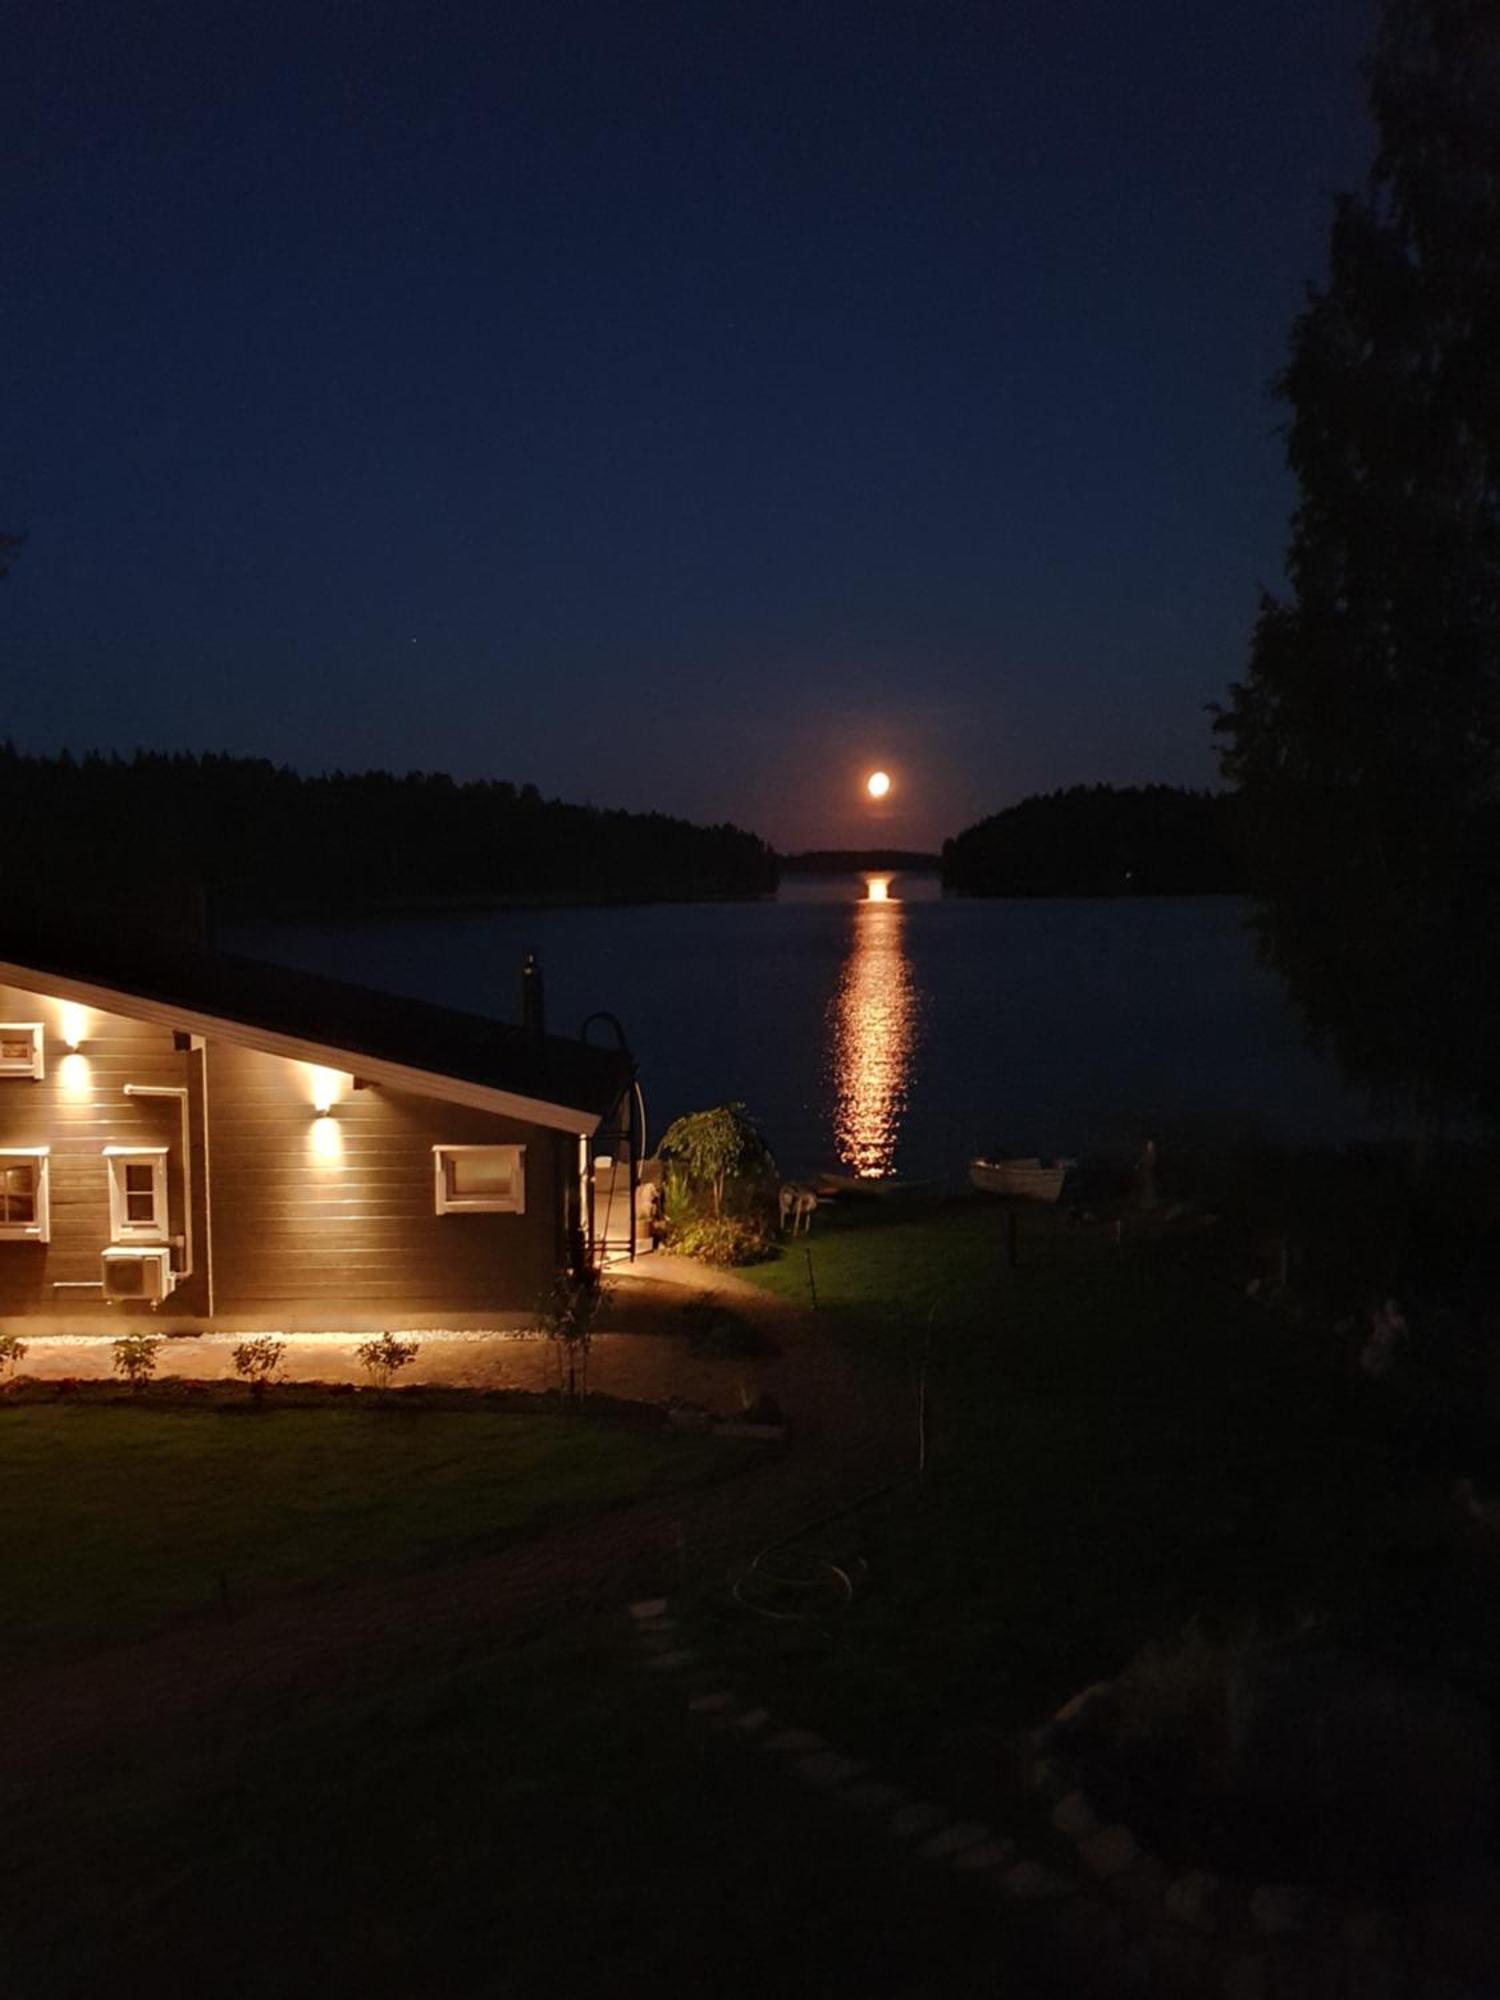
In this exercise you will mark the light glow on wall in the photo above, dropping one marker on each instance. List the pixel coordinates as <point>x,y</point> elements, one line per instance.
<point>75,1023</point>
<point>74,1078</point>
<point>327,1140</point>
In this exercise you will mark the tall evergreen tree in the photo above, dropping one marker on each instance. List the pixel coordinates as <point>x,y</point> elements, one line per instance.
<point>1365,739</point>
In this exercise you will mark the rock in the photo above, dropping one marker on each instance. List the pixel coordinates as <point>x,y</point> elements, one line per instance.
<point>1141,1886</point>
<point>984,1855</point>
<point>670,1662</point>
<point>1092,1705</point>
<point>1110,1851</point>
<point>826,1768</point>
<point>1030,1882</point>
<point>915,1821</point>
<point>649,1607</point>
<point>1279,1908</point>
<point>1193,1900</point>
<point>1052,1778</point>
<point>750,1719</point>
<point>875,1796</point>
<point>950,1840</point>
<point>798,1741</point>
<point>1074,1816</point>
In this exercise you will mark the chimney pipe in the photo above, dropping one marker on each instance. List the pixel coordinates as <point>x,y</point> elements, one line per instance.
<point>533,1005</point>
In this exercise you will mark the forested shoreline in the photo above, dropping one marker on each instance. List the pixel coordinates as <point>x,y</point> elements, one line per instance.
<point>1101,840</point>
<point>179,834</point>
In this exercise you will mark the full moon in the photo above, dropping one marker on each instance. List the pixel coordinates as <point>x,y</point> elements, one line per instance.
<point>877,784</point>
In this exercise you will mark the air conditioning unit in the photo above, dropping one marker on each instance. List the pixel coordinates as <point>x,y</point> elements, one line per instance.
<point>143,1277</point>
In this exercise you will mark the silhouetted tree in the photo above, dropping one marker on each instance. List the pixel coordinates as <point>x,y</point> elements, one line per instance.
<point>10,548</point>
<point>1365,739</point>
<point>1099,840</point>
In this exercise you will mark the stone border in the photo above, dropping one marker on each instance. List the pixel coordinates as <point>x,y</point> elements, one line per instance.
<point>1123,1912</point>
<point>1263,1938</point>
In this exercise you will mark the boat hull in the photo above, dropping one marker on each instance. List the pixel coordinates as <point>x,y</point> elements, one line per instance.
<point>1020,1180</point>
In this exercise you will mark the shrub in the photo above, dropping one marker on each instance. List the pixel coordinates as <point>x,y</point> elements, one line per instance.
<point>12,1354</point>
<point>566,1314</point>
<point>720,1239</point>
<point>256,1362</point>
<point>386,1357</point>
<point>135,1357</point>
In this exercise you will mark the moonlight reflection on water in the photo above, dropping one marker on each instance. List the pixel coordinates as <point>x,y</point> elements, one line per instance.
<point>873,1018</point>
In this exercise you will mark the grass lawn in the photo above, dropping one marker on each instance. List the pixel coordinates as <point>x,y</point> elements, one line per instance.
<point>1119,1443</point>
<point>121,1519</point>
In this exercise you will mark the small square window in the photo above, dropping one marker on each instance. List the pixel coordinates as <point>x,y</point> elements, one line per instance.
<point>137,1194</point>
<point>21,1048</point>
<point>480,1179</point>
<point>24,1208</point>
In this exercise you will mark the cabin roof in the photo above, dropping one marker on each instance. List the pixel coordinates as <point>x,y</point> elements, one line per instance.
<point>411,1044</point>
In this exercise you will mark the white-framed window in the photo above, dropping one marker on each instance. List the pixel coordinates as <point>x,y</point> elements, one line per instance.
<point>480,1179</point>
<point>137,1193</point>
<point>21,1049</point>
<point>25,1211</point>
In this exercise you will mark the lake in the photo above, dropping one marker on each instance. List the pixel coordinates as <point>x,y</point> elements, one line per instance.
<point>871,1023</point>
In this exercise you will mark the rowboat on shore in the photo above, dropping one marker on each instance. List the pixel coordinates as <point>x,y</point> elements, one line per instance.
<point>1020,1179</point>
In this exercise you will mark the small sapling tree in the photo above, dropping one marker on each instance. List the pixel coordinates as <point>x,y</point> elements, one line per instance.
<point>386,1357</point>
<point>256,1362</point>
<point>135,1357</point>
<point>12,1354</point>
<point>567,1315</point>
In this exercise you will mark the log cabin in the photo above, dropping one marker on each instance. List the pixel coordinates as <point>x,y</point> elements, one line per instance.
<point>191,1140</point>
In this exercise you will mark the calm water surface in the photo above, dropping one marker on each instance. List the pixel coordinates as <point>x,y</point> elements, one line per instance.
<point>871,1023</point>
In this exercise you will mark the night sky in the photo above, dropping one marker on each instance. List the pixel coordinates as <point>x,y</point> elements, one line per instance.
<point>679,406</point>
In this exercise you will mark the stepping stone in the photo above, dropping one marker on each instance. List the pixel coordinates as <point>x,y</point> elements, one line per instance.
<point>1110,1851</point>
<point>953,1840</point>
<point>917,1820</point>
<point>1030,1882</point>
<point>710,1704</point>
<point>826,1768</point>
<point>670,1663</point>
<point>649,1607</point>
<point>1074,1816</point>
<point>801,1740</point>
<point>874,1796</point>
<point>748,1719</point>
<point>985,1854</point>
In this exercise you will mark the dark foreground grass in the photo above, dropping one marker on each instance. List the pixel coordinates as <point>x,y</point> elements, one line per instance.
<point>1119,1444</point>
<point>120,1520</point>
<point>547,1821</point>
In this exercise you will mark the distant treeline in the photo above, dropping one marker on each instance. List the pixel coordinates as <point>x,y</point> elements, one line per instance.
<point>245,836</point>
<point>846,860</point>
<point>1095,840</point>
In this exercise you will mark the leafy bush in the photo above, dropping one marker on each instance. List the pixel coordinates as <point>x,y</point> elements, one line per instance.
<point>386,1357</point>
<point>256,1362</point>
<point>12,1353</point>
<point>720,1239</point>
<point>135,1357</point>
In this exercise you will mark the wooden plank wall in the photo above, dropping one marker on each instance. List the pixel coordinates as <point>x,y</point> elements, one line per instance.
<point>332,1221</point>
<point>79,1108</point>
